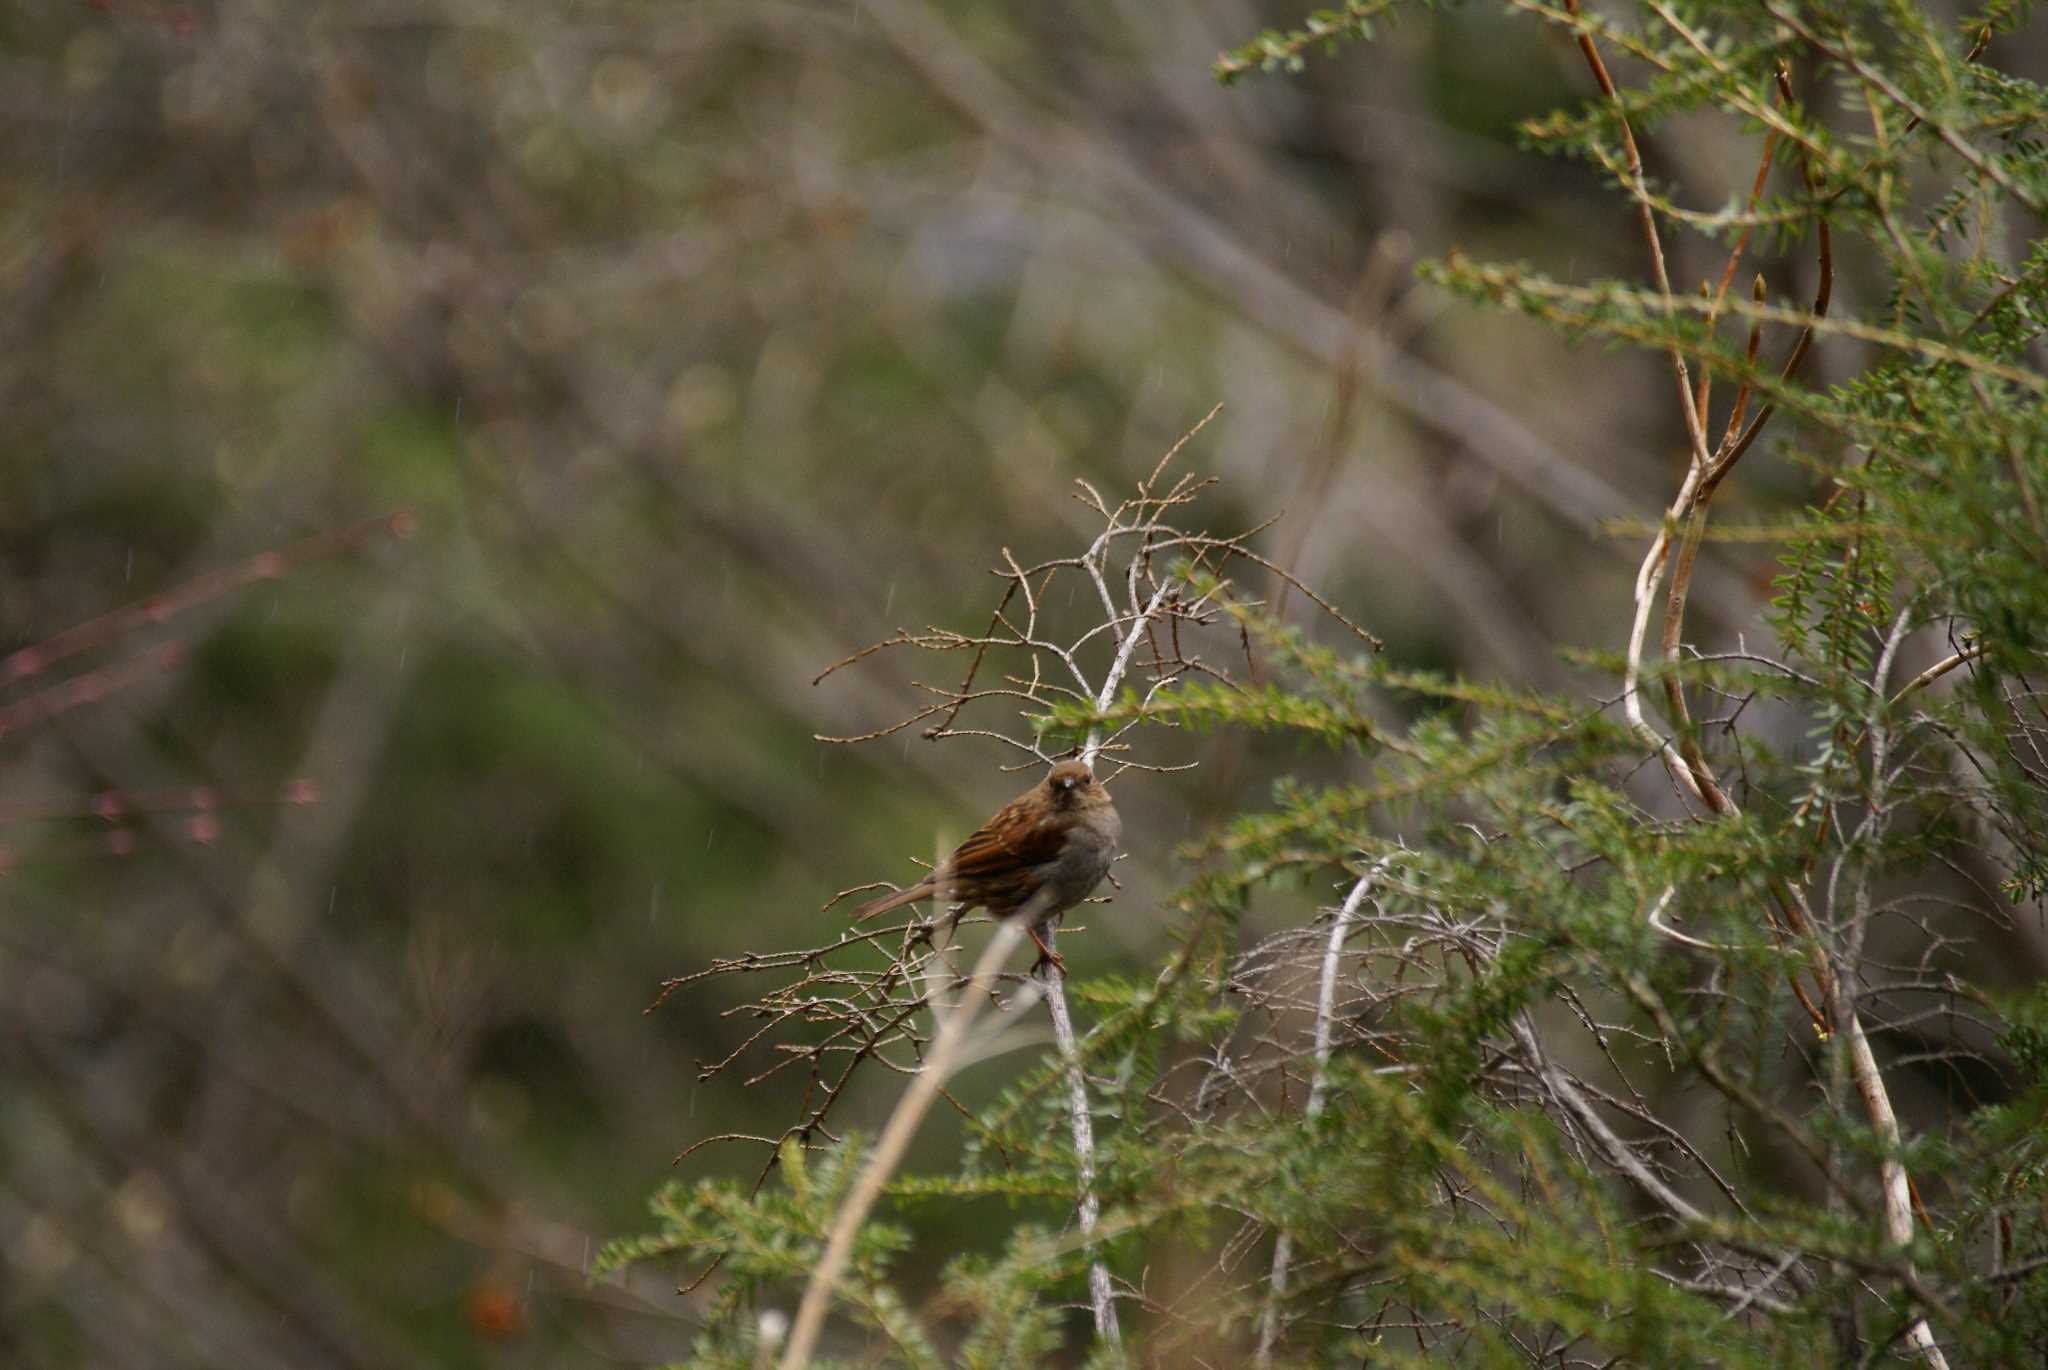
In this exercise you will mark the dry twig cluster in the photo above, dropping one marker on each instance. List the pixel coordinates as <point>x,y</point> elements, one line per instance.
<point>1132,615</point>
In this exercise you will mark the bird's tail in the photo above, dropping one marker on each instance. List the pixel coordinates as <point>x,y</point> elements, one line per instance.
<point>921,890</point>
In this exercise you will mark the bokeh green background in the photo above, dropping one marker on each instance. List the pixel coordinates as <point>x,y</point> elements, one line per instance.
<point>703,344</point>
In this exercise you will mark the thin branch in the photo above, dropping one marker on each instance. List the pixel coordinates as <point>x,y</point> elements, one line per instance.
<point>1695,419</point>
<point>1937,671</point>
<point>1326,996</point>
<point>270,565</point>
<point>1081,1128</point>
<point>1877,80</point>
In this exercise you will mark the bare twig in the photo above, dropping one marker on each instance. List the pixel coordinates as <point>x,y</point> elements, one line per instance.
<point>1326,995</point>
<point>1937,671</point>
<point>1081,1127</point>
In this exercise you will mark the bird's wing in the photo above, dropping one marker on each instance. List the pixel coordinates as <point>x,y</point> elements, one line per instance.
<point>1002,847</point>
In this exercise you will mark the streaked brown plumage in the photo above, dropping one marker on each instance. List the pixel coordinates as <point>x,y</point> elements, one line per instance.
<point>1038,857</point>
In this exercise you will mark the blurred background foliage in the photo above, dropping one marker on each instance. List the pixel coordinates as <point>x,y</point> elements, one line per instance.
<point>702,345</point>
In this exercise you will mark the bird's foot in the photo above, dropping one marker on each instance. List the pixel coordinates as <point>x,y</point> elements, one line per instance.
<point>1046,956</point>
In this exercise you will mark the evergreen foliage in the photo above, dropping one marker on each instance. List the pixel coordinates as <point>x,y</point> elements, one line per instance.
<point>1605,1009</point>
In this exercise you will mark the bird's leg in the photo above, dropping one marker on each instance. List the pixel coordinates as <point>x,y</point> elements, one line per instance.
<point>953,917</point>
<point>1046,955</point>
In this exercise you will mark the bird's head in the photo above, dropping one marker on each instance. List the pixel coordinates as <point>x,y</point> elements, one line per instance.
<point>1073,786</point>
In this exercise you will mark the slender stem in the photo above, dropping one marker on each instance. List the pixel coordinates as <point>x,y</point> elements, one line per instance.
<point>1898,1187</point>
<point>895,1140</point>
<point>1690,769</point>
<point>1318,1088</point>
<point>1619,1152</point>
<point>1122,664</point>
<point>1080,1118</point>
<point>1648,577</point>
<point>1937,671</point>
<point>1081,1127</point>
<point>1695,421</point>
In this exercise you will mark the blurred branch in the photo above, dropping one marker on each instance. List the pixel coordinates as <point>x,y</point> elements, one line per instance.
<point>158,608</point>
<point>889,1148</point>
<point>1219,262</point>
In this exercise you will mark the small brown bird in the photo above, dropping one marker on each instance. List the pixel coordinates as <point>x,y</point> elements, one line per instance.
<point>1037,858</point>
